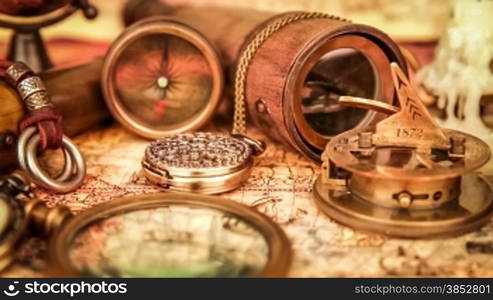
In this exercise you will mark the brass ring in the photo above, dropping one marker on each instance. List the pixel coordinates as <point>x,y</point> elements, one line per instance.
<point>70,178</point>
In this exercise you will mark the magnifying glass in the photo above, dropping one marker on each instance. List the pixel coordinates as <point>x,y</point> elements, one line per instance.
<point>155,235</point>
<point>28,17</point>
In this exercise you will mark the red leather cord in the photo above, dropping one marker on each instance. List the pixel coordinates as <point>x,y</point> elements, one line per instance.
<point>47,119</point>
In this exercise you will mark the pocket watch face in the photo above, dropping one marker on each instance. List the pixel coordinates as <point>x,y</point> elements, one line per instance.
<point>169,235</point>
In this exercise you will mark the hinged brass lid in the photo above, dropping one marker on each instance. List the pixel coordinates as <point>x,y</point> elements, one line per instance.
<point>199,162</point>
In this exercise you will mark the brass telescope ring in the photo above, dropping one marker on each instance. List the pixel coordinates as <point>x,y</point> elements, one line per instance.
<point>74,169</point>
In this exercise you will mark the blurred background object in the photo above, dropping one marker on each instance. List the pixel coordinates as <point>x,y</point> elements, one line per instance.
<point>418,20</point>
<point>27,17</point>
<point>459,82</point>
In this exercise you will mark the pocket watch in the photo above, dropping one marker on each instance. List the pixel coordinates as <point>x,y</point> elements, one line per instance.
<point>152,235</point>
<point>202,162</point>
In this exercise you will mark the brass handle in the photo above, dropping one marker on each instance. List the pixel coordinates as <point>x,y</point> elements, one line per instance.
<point>370,104</point>
<point>45,220</point>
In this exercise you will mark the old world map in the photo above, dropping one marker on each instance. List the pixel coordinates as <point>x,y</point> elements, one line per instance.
<point>280,187</point>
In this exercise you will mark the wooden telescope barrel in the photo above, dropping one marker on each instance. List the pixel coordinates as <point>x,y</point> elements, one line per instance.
<point>298,71</point>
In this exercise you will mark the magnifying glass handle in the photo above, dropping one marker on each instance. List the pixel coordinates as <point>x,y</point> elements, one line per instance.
<point>15,184</point>
<point>45,220</point>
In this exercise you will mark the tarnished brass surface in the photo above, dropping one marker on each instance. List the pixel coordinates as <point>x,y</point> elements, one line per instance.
<point>13,226</point>
<point>18,220</point>
<point>467,213</point>
<point>406,176</point>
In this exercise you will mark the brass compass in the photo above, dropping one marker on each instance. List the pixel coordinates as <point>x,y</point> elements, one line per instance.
<point>405,177</point>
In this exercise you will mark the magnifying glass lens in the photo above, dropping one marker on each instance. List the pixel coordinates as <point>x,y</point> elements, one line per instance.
<point>169,241</point>
<point>162,80</point>
<point>5,217</point>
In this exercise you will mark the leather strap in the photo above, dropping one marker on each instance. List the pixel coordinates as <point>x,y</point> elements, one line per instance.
<point>48,121</point>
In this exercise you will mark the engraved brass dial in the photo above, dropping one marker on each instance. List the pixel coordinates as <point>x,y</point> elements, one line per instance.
<point>406,176</point>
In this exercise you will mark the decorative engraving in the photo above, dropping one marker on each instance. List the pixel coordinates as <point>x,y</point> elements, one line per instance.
<point>29,86</point>
<point>16,72</point>
<point>197,150</point>
<point>412,107</point>
<point>406,93</point>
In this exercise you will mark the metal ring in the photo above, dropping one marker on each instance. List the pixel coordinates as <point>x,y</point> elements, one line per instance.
<point>70,178</point>
<point>68,167</point>
<point>45,180</point>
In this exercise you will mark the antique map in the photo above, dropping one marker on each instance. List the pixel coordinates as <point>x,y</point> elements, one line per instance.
<point>281,182</point>
<point>280,187</point>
